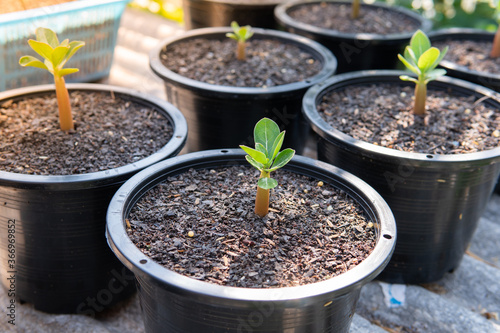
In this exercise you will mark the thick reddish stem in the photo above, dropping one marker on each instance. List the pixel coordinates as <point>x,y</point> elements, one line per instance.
<point>420,97</point>
<point>262,198</point>
<point>240,54</point>
<point>495,49</point>
<point>65,117</point>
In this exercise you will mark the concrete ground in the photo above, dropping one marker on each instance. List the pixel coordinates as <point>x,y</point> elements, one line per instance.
<point>467,300</point>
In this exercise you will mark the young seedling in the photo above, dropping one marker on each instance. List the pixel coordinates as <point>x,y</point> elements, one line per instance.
<point>355,9</point>
<point>241,35</point>
<point>55,56</point>
<point>422,59</point>
<point>495,48</point>
<point>266,157</point>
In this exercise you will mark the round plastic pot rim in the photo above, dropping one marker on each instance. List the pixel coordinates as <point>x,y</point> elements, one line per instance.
<point>327,132</point>
<point>450,33</point>
<point>281,13</point>
<point>175,144</point>
<point>327,58</point>
<point>131,256</point>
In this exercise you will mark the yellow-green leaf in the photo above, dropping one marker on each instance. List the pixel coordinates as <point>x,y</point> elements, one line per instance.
<point>42,49</point>
<point>29,61</point>
<point>45,35</point>
<point>66,71</point>
<point>59,55</point>
<point>419,43</point>
<point>427,59</point>
<point>73,47</point>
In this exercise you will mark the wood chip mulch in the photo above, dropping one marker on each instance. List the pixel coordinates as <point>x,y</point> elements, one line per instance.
<point>337,17</point>
<point>382,114</point>
<point>201,224</point>
<point>109,132</point>
<point>269,62</point>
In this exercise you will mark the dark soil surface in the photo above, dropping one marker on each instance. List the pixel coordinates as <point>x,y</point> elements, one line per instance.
<point>269,62</point>
<point>382,114</point>
<point>109,132</point>
<point>472,54</point>
<point>336,16</point>
<point>312,233</point>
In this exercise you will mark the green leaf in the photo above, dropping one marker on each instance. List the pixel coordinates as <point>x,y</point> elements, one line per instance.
<point>73,47</point>
<point>241,34</point>
<point>414,69</point>
<point>231,35</point>
<point>245,32</point>
<point>283,158</point>
<point>267,183</point>
<point>47,36</point>
<point>441,56</point>
<point>261,148</point>
<point>278,142</point>
<point>58,55</point>
<point>42,49</point>
<point>410,56</point>
<point>434,74</point>
<point>29,61</point>
<point>55,55</point>
<point>419,43</point>
<point>408,78</point>
<point>235,26</point>
<point>254,163</point>
<point>66,71</point>
<point>265,133</point>
<point>258,156</point>
<point>427,59</point>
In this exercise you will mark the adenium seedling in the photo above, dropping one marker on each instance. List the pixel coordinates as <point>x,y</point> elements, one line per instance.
<point>55,56</point>
<point>422,59</point>
<point>241,35</point>
<point>355,9</point>
<point>266,157</point>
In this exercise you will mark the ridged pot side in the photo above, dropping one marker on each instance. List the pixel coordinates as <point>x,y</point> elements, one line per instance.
<point>181,304</point>
<point>437,200</point>
<point>61,260</point>
<point>223,116</point>
<point>489,80</point>
<point>354,51</point>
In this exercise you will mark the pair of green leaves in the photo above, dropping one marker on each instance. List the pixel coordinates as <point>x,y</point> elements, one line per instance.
<point>422,59</point>
<point>266,157</point>
<point>240,34</point>
<point>55,54</point>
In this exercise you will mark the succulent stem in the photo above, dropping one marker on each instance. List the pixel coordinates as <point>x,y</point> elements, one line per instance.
<point>65,117</point>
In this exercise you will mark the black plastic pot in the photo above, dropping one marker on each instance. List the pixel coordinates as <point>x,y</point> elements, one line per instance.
<point>437,200</point>
<point>220,13</point>
<point>60,259</point>
<point>487,79</point>
<point>353,51</point>
<point>175,303</point>
<point>223,116</point>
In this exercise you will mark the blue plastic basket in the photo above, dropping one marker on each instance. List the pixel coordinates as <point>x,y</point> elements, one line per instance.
<point>95,22</point>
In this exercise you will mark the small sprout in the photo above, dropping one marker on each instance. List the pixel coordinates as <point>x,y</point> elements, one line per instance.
<point>422,59</point>
<point>241,35</point>
<point>495,48</point>
<point>355,9</point>
<point>55,56</point>
<point>266,157</point>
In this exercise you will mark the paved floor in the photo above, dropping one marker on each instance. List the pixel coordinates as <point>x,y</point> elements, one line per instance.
<point>466,301</point>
